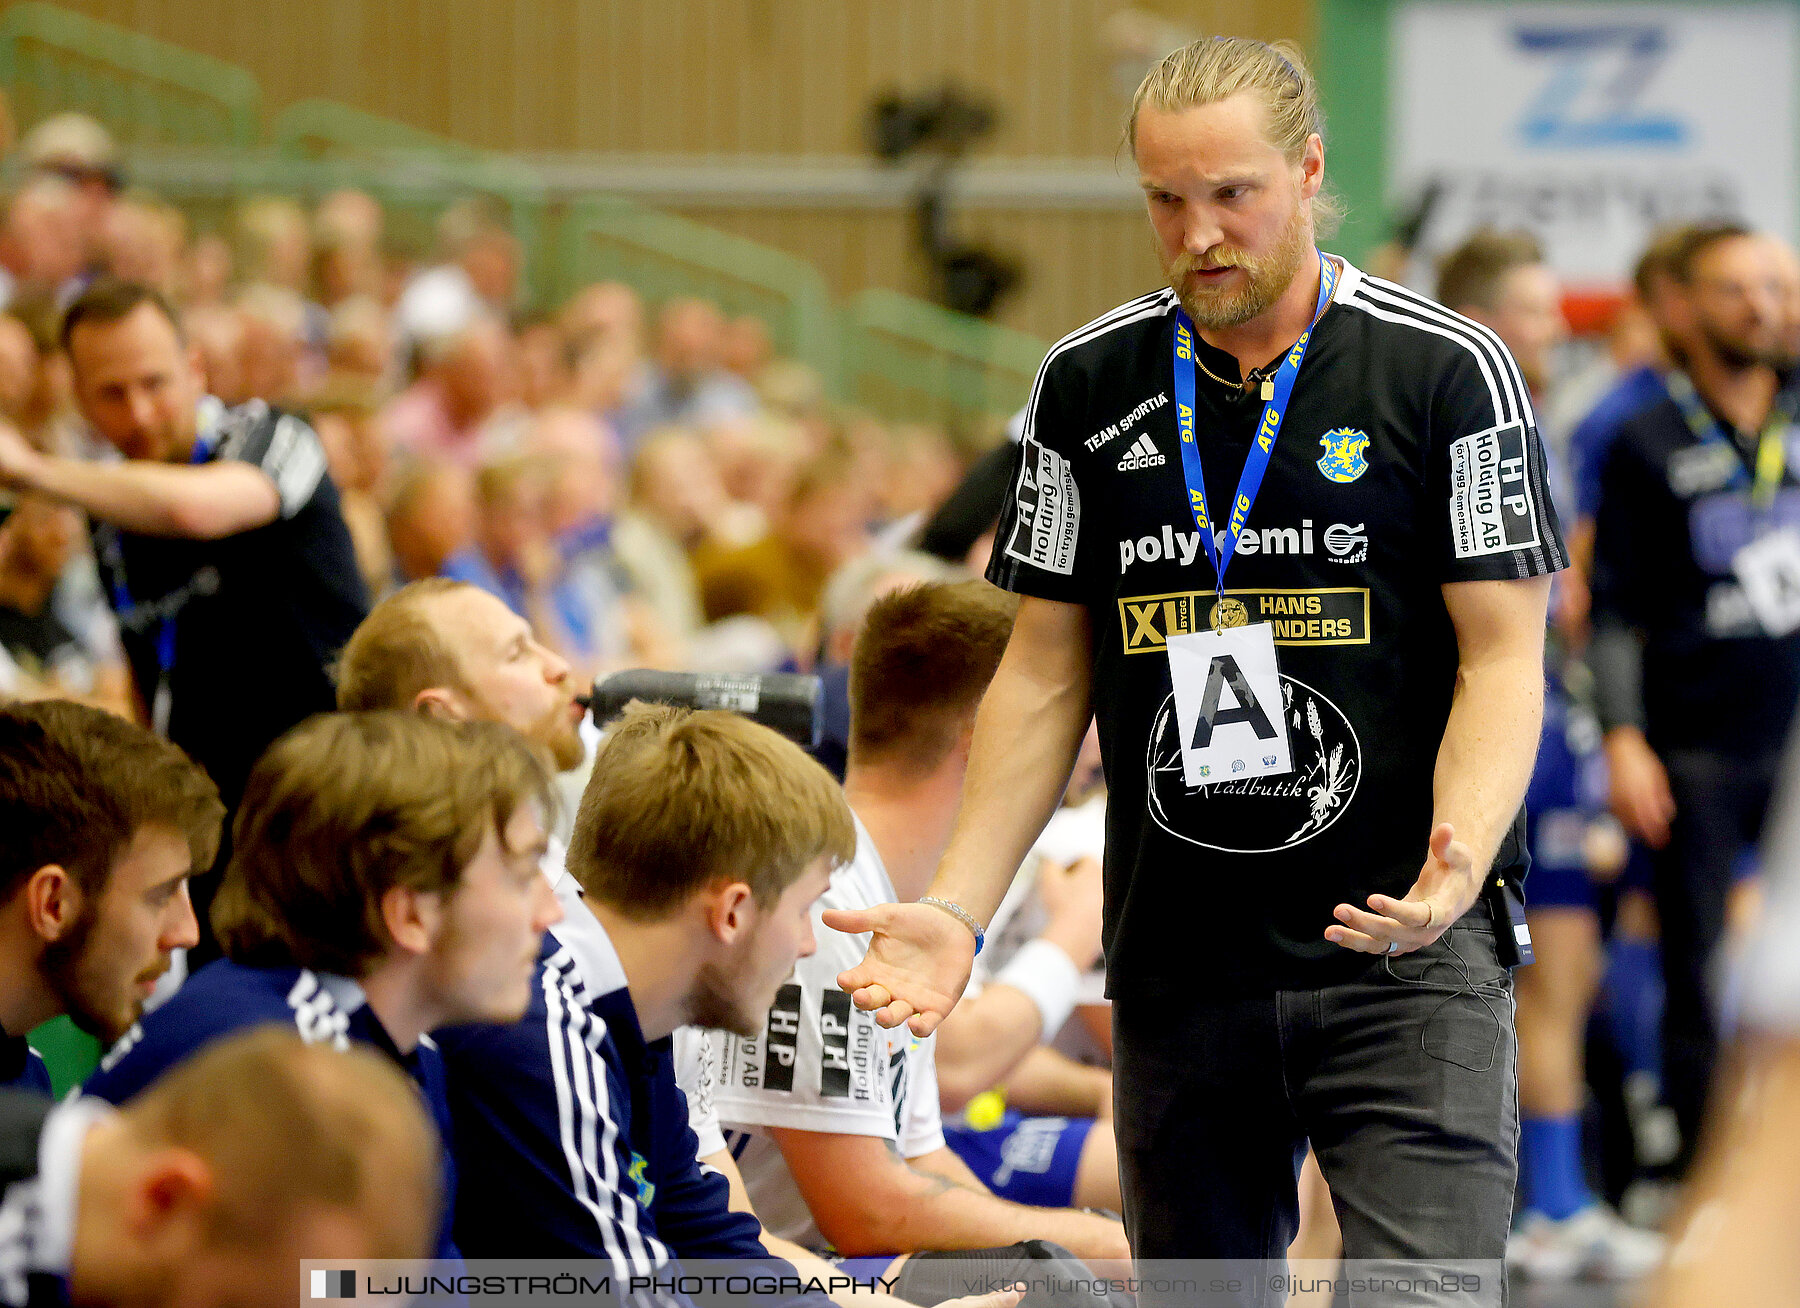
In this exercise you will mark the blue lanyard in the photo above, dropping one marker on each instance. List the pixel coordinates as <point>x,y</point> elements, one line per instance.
<point>121,593</point>
<point>1771,445</point>
<point>1261,449</point>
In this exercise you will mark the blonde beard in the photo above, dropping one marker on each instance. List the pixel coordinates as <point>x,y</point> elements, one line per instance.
<point>1265,278</point>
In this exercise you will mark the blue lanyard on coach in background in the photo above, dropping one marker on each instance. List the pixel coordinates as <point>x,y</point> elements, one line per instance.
<point>1261,449</point>
<point>1771,444</point>
<point>165,627</point>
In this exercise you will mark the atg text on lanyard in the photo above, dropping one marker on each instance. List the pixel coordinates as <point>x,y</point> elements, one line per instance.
<point>1219,554</point>
<point>1227,685</point>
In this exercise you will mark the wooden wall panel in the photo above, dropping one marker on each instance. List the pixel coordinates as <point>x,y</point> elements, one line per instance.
<point>685,76</point>
<point>1077,264</point>
<point>758,77</point>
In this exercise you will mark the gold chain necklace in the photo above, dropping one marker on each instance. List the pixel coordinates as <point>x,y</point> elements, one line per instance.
<point>1253,377</point>
<point>1268,383</point>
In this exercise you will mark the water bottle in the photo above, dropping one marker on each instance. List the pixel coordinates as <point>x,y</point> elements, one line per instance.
<point>787,702</point>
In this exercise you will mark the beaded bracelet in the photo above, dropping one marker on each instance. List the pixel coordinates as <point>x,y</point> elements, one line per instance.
<point>961,914</point>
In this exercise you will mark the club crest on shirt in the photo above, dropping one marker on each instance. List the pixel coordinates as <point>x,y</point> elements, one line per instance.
<point>646,1189</point>
<point>1343,460</point>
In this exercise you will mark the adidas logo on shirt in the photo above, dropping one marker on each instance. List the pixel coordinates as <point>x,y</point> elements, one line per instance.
<point>1142,454</point>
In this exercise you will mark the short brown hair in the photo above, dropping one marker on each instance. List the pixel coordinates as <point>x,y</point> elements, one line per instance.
<point>76,786</point>
<point>682,799</point>
<point>1695,241</point>
<point>109,299</point>
<point>1470,275</point>
<point>395,652</point>
<point>922,662</point>
<point>348,806</point>
<point>1659,258</point>
<point>289,1128</point>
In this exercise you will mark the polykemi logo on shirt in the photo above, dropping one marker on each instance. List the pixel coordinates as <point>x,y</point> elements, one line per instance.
<point>1344,542</point>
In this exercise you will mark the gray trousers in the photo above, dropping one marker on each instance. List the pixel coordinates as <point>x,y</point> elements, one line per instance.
<point>1404,1080</point>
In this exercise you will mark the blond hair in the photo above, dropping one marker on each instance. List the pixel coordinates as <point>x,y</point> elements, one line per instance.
<point>396,651</point>
<point>682,799</point>
<point>1218,67</point>
<point>289,1129</point>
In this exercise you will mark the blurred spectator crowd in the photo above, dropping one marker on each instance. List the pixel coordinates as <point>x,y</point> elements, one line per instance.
<point>652,485</point>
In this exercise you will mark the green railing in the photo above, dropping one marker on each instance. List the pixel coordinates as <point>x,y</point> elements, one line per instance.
<point>329,133</point>
<point>146,92</point>
<point>915,358</point>
<point>664,255</point>
<point>201,119</point>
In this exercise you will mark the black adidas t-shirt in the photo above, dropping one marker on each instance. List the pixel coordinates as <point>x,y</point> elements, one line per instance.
<point>1408,458</point>
<point>1674,511</point>
<point>258,616</point>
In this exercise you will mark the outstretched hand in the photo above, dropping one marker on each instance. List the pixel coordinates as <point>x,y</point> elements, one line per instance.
<point>1446,889</point>
<point>917,964</point>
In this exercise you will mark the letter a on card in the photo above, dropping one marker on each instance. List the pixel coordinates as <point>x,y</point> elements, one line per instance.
<point>1228,705</point>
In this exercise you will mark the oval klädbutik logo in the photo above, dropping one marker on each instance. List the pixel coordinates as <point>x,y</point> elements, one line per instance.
<point>1263,814</point>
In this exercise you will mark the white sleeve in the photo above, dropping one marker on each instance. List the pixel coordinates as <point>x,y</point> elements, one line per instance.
<point>281,445</point>
<point>694,1074</point>
<point>820,1063</point>
<point>922,1123</point>
<point>1075,833</point>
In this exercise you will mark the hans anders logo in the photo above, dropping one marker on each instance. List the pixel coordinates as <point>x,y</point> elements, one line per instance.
<point>333,1284</point>
<point>1142,454</point>
<point>1343,460</point>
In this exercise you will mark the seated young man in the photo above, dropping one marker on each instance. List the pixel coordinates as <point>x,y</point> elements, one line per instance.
<point>701,842</point>
<point>103,823</point>
<point>195,1194</point>
<point>452,650</point>
<point>833,1120</point>
<point>383,882</point>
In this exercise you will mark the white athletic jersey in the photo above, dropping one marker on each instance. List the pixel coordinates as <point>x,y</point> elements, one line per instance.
<point>694,1074</point>
<point>1072,833</point>
<point>823,1065</point>
<point>579,931</point>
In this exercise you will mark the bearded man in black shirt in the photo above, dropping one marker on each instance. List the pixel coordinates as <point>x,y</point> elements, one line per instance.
<point>1696,648</point>
<point>1316,762</point>
<point>218,535</point>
